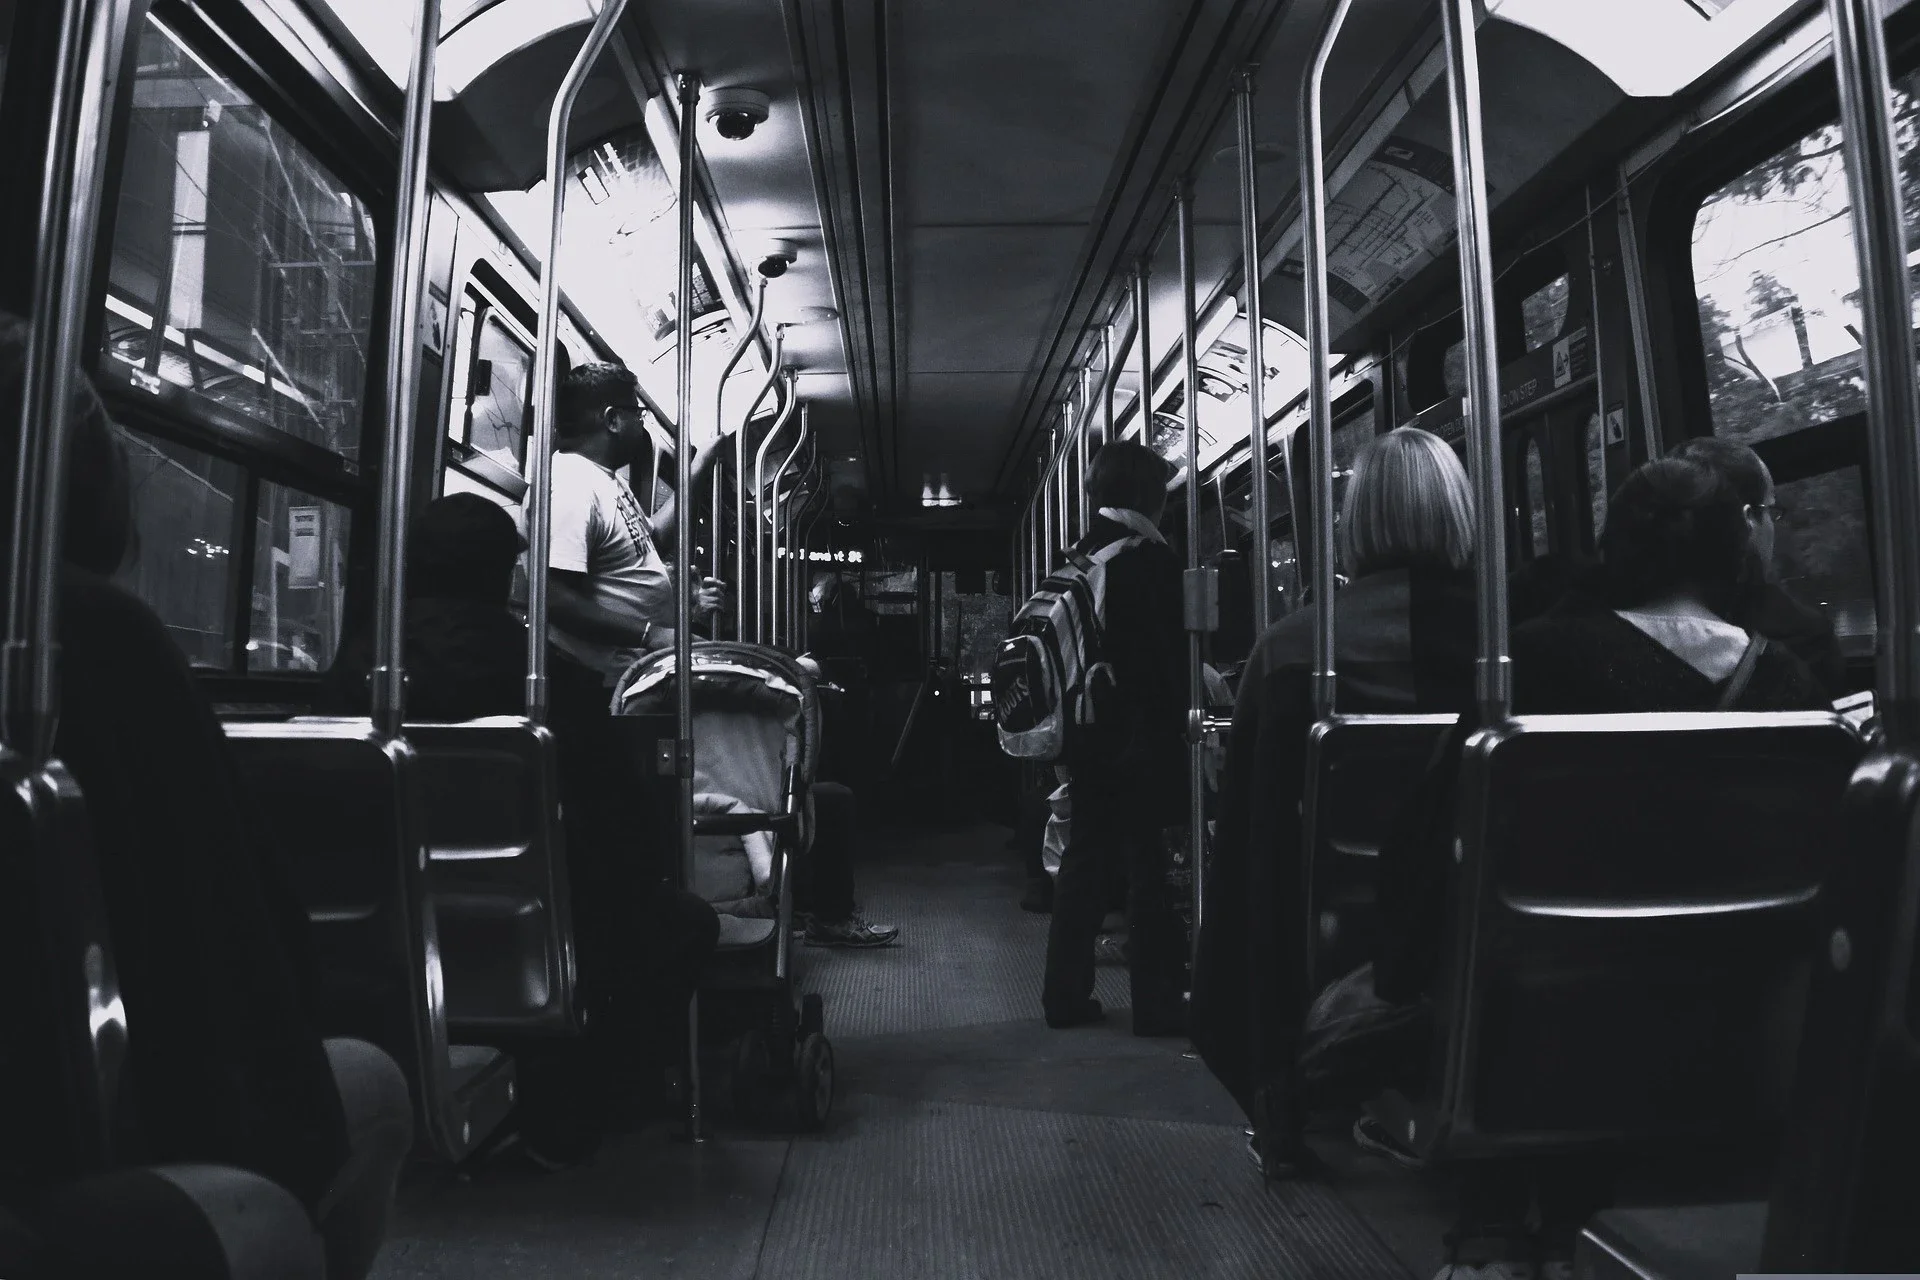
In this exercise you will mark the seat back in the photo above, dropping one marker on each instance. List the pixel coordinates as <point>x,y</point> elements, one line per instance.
<point>1359,771</point>
<point>1847,1184</point>
<point>498,872</point>
<point>345,805</point>
<point>1628,933</point>
<point>63,1056</point>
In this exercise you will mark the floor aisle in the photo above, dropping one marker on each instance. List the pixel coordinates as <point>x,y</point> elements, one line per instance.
<point>967,1139</point>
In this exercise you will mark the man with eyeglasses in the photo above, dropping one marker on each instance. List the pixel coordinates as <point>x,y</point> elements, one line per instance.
<point>1768,607</point>
<point>609,591</point>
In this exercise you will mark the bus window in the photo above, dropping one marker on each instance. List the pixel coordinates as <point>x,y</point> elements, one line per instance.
<point>1534,497</point>
<point>496,412</point>
<point>183,559</point>
<point>1544,312</point>
<point>1597,473</point>
<point>1774,271</point>
<point>242,270</point>
<point>6,37</point>
<point>299,581</point>
<point>1820,552</point>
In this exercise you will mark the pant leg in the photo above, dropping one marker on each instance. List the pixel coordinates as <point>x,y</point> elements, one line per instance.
<point>354,1214</point>
<point>825,885</point>
<point>1080,895</point>
<point>1030,837</point>
<point>1156,939</point>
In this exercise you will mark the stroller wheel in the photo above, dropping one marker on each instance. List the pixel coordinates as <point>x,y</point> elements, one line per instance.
<point>813,1016</point>
<point>813,1085</point>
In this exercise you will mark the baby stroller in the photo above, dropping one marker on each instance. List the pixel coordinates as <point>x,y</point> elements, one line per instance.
<point>756,734</point>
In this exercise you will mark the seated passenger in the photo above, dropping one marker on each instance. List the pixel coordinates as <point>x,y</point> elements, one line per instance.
<point>225,1063</point>
<point>1403,635</point>
<point>1765,606</point>
<point>466,656</point>
<point>1674,561</point>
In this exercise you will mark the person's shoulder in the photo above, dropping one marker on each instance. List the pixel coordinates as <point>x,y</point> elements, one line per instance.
<point>1782,681</point>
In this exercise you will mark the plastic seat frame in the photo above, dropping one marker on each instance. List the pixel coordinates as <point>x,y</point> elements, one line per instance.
<point>1846,1182</point>
<point>497,852</point>
<point>1340,841</point>
<point>1492,906</point>
<point>347,768</point>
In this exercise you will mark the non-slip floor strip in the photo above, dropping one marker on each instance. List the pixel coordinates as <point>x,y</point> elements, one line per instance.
<point>907,1189</point>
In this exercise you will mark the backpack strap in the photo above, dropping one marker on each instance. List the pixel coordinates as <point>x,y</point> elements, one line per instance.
<point>1742,674</point>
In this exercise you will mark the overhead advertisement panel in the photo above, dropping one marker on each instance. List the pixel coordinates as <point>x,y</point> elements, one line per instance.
<point>1392,219</point>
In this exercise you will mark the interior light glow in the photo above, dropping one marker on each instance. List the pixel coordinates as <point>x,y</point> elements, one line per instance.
<point>494,33</point>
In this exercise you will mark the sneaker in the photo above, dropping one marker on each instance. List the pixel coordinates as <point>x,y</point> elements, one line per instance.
<point>1108,949</point>
<point>1370,1135</point>
<point>851,932</point>
<point>1039,896</point>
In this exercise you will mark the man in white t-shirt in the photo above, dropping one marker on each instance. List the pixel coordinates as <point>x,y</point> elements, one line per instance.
<point>609,591</point>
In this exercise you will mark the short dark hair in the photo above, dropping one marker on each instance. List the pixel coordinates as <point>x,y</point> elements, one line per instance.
<point>1127,474</point>
<point>463,547</point>
<point>1676,523</point>
<point>588,392</point>
<point>1736,461</point>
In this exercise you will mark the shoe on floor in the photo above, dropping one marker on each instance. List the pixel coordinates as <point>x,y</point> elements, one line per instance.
<point>1039,896</point>
<point>1370,1135</point>
<point>851,932</point>
<point>1109,949</point>
<point>1088,1012</point>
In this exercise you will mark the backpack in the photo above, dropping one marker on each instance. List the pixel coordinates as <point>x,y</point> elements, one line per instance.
<point>1048,667</point>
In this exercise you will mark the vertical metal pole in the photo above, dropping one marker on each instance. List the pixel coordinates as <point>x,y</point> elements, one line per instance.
<point>1493,674</point>
<point>1196,686</point>
<point>1080,443</point>
<point>1107,376</point>
<point>741,631</point>
<point>773,560</point>
<point>1050,493</point>
<point>689,86</point>
<point>1313,221</point>
<point>760,535</point>
<point>1893,404</point>
<point>1143,418</point>
<point>1256,355</point>
<point>73,175</point>
<point>545,368</point>
<point>739,450</point>
<point>404,300</point>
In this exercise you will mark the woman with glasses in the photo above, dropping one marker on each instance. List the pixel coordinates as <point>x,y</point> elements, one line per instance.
<point>1766,606</point>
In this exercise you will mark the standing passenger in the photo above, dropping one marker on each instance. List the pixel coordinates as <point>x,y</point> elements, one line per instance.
<point>1129,770</point>
<point>1404,637</point>
<point>610,594</point>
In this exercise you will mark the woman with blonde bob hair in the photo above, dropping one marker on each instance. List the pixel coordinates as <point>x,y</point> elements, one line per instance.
<point>1404,642</point>
<point>1408,503</point>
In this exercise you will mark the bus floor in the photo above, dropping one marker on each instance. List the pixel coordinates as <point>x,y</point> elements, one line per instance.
<point>967,1140</point>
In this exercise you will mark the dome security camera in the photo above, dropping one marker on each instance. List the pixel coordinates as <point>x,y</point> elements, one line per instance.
<point>776,258</point>
<point>736,113</point>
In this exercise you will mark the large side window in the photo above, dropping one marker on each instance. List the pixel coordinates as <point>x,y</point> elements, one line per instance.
<point>1779,307</point>
<point>240,305</point>
<point>493,378</point>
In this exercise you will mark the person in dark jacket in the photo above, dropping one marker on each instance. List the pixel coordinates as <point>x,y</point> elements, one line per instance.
<point>466,657</point>
<point>1403,635</point>
<point>1128,772</point>
<point>1674,554</point>
<point>1764,605</point>
<point>226,1064</point>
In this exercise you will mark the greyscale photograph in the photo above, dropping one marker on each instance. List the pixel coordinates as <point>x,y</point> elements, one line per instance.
<point>960,639</point>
